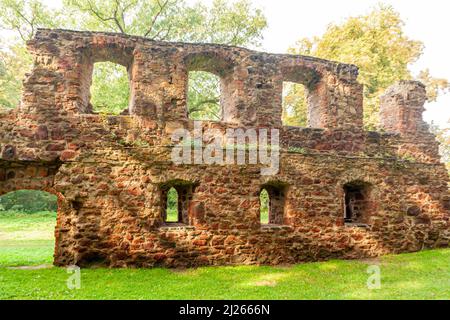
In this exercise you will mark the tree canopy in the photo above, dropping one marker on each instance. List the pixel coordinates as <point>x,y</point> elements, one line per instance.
<point>28,201</point>
<point>377,44</point>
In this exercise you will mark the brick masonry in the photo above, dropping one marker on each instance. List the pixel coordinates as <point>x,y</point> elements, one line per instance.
<point>110,172</point>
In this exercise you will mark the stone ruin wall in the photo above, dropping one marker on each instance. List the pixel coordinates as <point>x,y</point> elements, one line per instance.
<point>110,172</point>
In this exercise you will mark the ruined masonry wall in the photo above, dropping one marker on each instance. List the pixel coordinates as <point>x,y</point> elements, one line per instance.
<point>108,171</point>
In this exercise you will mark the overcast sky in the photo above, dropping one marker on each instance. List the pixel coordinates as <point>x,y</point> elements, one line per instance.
<point>427,21</point>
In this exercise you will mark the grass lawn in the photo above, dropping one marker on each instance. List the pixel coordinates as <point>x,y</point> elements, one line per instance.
<point>27,240</point>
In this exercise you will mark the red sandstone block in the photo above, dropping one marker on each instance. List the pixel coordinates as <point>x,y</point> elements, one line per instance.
<point>30,171</point>
<point>135,191</point>
<point>217,240</point>
<point>72,146</point>
<point>56,147</point>
<point>41,133</point>
<point>204,236</point>
<point>203,260</point>
<point>357,236</point>
<point>42,172</point>
<point>245,204</point>
<point>253,240</point>
<point>27,133</point>
<point>229,250</point>
<point>148,246</point>
<point>230,240</point>
<point>199,243</point>
<point>68,155</point>
<point>197,210</point>
<point>159,256</point>
<point>57,134</point>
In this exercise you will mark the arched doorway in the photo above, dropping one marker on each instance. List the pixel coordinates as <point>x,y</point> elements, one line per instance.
<point>27,228</point>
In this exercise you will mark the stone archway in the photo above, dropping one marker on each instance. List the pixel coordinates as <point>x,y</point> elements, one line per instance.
<point>29,175</point>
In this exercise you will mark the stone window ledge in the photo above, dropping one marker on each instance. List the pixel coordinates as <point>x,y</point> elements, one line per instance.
<point>176,226</point>
<point>270,227</point>
<point>357,225</point>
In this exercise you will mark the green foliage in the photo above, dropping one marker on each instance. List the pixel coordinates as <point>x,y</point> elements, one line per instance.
<point>294,105</point>
<point>264,206</point>
<point>22,18</point>
<point>227,22</point>
<point>236,23</point>
<point>172,206</point>
<point>435,86</point>
<point>204,96</point>
<point>14,63</point>
<point>28,201</point>
<point>110,89</point>
<point>443,136</point>
<point>157,20</point>
<point>25,16</point>
<point>377,44</point>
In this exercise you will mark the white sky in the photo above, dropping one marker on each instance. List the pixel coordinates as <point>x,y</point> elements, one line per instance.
<point>427,21</point>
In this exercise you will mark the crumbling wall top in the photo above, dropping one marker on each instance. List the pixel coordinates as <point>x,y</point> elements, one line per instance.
<point>251,81</point>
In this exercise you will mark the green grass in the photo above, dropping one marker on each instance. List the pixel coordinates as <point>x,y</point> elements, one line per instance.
<point>26,239</point>
<point>422,275</point>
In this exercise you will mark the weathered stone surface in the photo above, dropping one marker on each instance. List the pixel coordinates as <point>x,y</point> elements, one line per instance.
<point>111,173</point>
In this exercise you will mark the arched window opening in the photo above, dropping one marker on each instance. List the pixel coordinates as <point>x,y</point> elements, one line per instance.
<point>176,196</point>
<point>27,228</point>
<point>110,88</point>
<point>358,205</point>
<point>172,206</point>
<point>204,96</point>
<point>272,199</point>
<point>294,105</point>
<point>300,96</point>
<point>264,206</point>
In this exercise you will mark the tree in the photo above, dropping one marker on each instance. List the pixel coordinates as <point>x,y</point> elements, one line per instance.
<point>21,19</point>
<point>110,89</point>
<point>28,201</point>
<point>172,205</point>
<point>443,136</point>
<point>264,202</point>
<point>204,96</point>
<point>377,44</point>
<point>294,104</point>
<point>24,17</point>
<point>224,22</point>
<point>435,86</point>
